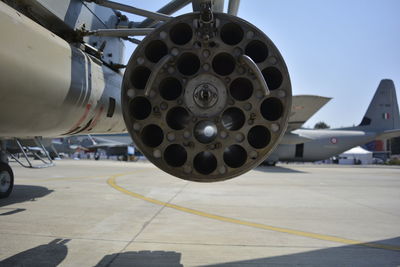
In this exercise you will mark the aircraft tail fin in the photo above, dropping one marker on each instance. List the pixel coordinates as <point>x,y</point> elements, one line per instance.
<point>383,111</point>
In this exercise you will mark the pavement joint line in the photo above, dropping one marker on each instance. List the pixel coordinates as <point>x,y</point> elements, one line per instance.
<point>111,181</point>
<point>144,226</point>
<point>237,245</point>
<point>159,242</point>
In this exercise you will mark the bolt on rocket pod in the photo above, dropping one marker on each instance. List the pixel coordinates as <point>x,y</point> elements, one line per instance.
<point>206,100</point>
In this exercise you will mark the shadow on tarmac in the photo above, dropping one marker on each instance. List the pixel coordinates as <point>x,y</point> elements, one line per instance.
<point>276,169</point>
<point>352,255</point>
<point>48,255</point>
<point>53,253</point>
<point>22,193</point>
<point>142,258</point>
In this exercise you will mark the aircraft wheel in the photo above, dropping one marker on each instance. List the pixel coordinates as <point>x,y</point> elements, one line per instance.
<point>6,180</point>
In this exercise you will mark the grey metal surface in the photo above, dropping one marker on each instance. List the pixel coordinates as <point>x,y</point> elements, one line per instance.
<point>121,32</point>
<point>155,72</point>
<point>303,108</point>
<point>383,112</point>
<point>256,70</point>
<point>131,9</point>
<point>233,7</point>
<point>323,144</point>
<point>65,17</point>
<point>78,15</point>
<point>133,40</point>
<point>217,100</point>
<point>168,9</point>
<point>217,5</point>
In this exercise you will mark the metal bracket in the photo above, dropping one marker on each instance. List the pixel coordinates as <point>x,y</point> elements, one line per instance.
<point>119,32</point>
<point>48,162</point>
<point>132,40</point>
<point>207,27</point>
<point>170,8</point>
<point>155,72</point>
<point>233,7</point>
<point>256,70</point>
<point>132,10</point>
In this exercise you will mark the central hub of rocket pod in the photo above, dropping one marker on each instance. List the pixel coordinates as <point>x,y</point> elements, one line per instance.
<point>206,102</point>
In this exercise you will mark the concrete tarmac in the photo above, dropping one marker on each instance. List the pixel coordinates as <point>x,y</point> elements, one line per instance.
<point>106,213</point>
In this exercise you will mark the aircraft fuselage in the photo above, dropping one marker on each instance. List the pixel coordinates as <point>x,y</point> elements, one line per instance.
<point>323,144</point>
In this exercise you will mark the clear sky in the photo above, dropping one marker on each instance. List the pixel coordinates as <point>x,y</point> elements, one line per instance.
<point>335,48</point>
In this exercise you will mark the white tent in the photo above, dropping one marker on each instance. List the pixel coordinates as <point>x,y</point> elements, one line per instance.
<point>356,155</point>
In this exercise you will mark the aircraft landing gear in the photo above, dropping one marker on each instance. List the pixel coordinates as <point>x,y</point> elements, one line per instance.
<point>6,174</point>
<point>6,180</point>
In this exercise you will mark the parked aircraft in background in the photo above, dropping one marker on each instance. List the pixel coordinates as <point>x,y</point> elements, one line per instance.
<point>113,145</point>
<point>64,146</point>
<point>381,121</point>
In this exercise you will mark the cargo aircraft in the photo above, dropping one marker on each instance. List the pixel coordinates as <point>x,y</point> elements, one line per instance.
<point>205,96</point>
<point>381,121</point>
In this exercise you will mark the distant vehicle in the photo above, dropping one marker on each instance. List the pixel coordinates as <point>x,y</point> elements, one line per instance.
<point>381,121</point>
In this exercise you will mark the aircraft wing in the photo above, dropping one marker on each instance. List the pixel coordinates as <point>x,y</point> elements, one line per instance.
<point>106,143</point>
<point>389,134</point>
<point>303,108</point>
<point>293,138</point>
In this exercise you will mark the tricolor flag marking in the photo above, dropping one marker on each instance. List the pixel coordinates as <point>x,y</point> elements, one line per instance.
<point>386,116</point>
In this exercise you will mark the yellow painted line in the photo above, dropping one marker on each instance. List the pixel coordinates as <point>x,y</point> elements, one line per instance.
<point>112,182</point>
